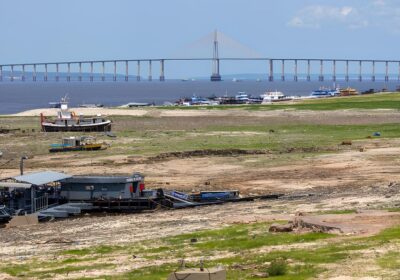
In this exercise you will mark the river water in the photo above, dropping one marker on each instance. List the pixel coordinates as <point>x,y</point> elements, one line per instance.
<point>18,96</point>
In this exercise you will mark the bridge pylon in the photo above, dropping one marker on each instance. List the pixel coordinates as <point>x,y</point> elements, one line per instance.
<point>215,76</point>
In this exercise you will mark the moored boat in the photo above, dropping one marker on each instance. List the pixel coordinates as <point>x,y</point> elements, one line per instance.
<point>324,92</point>
<point>348,91</point>
<point>76,144</point>
<point>274,96</point>
<point>68,121</point>
<point>86,105</point>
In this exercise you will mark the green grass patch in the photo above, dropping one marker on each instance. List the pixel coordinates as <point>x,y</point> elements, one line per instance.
<point>241,237</point>
<point>344,211</point>
<point>390,260</point>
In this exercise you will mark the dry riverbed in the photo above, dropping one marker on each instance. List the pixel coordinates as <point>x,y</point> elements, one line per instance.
<point>323,178</point>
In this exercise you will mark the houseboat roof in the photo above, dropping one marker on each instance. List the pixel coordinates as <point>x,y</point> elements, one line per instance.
<point>14,185</point>
<point>41,178</point>
<point>103,179</point>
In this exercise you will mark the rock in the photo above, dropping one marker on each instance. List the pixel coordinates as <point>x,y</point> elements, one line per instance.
<point>237,266</point>
<point>346,142</point>
<point>281,228</point>
<point>193,240</point>
<point>260,275</point>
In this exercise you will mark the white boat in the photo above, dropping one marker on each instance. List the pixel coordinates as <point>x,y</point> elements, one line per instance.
<point>324,92</point>
<point>68,121</point>
<point>274,96</point>
<point>242,97</point>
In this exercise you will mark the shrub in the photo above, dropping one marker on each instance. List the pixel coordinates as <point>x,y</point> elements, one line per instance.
<point>277,267</point>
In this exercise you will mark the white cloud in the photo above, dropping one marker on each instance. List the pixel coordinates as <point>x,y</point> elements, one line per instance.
<point>384,14</point>
<point>315,16</point>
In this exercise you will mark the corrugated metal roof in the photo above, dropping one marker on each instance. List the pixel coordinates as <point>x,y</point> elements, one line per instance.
<point>14,185</point>
<point>41,178</point>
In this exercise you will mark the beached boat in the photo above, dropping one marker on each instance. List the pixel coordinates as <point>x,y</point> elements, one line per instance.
<point>76,144</point>
<point>68,121</point>
<point>274,96</point>
<point>348,91</point>
<point>88,105</point>
<point>324,92</point>
<point>242,97</point>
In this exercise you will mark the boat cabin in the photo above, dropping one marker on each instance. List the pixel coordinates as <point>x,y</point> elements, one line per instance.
<point>89,188</point>
<point>31,192</point>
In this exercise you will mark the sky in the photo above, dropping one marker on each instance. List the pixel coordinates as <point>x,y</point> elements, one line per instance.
<point>62,30</point>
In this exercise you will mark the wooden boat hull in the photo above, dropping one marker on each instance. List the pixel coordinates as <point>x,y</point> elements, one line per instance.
<point>89,147</point>
<point>98,127</point>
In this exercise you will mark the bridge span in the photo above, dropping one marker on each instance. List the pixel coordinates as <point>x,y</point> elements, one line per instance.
<point>326,67</point>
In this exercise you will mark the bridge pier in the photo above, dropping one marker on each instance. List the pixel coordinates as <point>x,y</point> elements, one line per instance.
<point>150,74</point>
<point>360,71</point>
<point>283,71</point>
<point>1,73</point>
<point>34,73</point>
<point>80,72</point>
<point>373,71</point>
<point>295,70</point>
<point>138,71</point>
<point>126,71</point>
<point>347,71</point>
<point>321,71</point>
<point>45,72</point>
<point>57,77</point>
<point>103,70</point>
<point>398,77</point>
<point>115,72</point>
<point>386,71</point>
<point>23,73</point>
<point>69,72</point>
<point>12,73</point>
<point>91,71</point>
<point>162,74</point>
<point>271,70</point>
<point>308,70</point>
<point>216,77</point>
<point>334,70</point>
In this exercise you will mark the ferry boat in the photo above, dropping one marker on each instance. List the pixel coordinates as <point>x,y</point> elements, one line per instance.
<point>348,91</point>
<point>68,121</point>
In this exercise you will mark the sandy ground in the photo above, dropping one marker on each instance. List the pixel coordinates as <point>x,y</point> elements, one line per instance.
<point>337,116</point>
<point>378,163</point>
<point>349,178</point>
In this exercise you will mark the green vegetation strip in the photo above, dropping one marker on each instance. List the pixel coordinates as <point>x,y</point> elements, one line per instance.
<point>273,137</point>
<point>243,249</point>
<point>372,101</point>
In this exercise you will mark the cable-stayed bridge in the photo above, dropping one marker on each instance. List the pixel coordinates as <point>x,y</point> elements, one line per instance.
<point>215,43</point>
